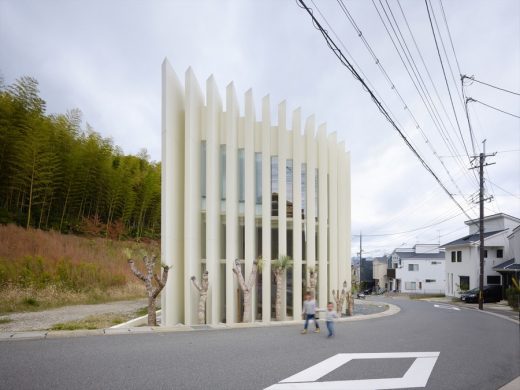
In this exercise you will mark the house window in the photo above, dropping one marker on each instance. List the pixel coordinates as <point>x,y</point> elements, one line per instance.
<point>413,267</point>
<point>493,279</point>
<point>459,256</point>
<point>409,286</point>
<point>453,256</point>
<point>485,253</point>
<point>464,283</point>
<point>500,253</point>
<point>430,280</point>
<point>436,262</point>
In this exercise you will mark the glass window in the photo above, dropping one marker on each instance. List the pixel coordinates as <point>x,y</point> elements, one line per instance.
<point>493,279</point>
<point>430,280</point>
<point>274,186</point>
<point>409,285</point>
<point>500,253</point>
<point>274,174</point>
<point>241,175</point>
<point>258,178</point>
<point>223,172</point>
<point>203,168</point>
<point>464,283</point>
<point>453,256</point>
<point>413,267</point>
<point>289,187</point>
<point>459,256</point>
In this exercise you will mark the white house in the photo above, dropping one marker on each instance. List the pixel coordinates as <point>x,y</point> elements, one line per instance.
<point>463,259</point>
<point>419,270</point>
<point>238,186</point>
<point>511,268</point>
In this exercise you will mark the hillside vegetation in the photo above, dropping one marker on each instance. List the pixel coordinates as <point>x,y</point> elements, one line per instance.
<point>57,173</point>
<point>40,269</point>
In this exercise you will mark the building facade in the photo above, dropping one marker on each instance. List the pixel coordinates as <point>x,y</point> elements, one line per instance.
<point>235,186</point>
<point>418,270</point>
<point>463,254</point>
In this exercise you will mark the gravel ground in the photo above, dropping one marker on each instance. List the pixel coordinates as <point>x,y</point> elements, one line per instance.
<point>42,320</point>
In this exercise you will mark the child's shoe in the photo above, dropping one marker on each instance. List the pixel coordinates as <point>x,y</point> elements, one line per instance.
<point>304,331</point>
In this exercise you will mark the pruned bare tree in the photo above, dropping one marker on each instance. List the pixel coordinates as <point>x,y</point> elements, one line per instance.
<point>153,289</point>
<point>202,288</point>
<point>279,267</point>
<point>313,279</point>
<point>248,288</point>
<point>350,299</point>
<point>340,298</point>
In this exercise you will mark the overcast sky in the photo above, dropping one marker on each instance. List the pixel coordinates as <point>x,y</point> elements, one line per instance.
<point>104,57</point>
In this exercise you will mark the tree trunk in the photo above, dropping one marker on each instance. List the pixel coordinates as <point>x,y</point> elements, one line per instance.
<point>202,309</point>
<point>278,274</point>
<point>152,315</point>
<point>247,306</point>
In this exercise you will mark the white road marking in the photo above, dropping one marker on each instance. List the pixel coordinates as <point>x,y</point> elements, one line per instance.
<point>449,307</point>
<point>416,376</point>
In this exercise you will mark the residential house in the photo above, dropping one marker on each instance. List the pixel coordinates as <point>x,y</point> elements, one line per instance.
<point>463,254</point>
<point>379,267</point>
<point>511,267</point>
<point>419,270</point>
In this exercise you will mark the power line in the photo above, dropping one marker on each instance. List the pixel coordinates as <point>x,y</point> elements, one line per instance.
<point>426,103</point>
<point>494,108</point>
<point>503,189</point>
<point>337,52</point>
<point>412,230</point>
<point>445,78</point>
<point>472,78</point>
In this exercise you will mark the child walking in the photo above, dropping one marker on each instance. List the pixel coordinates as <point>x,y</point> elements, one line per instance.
<point>329,319</point>
<point>309,311</point>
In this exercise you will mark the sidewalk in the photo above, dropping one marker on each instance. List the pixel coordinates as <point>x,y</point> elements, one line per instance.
<point>136,326</point>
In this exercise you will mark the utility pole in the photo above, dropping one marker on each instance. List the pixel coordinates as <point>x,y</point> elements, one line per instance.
<point>482,159</point>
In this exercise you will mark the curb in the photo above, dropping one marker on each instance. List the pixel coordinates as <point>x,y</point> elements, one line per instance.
<point>126,329</point>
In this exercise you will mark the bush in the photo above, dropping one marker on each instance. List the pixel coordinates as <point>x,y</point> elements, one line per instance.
<point>512,295</point>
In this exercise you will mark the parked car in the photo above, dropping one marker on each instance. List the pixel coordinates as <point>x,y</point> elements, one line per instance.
<point>492,293</point>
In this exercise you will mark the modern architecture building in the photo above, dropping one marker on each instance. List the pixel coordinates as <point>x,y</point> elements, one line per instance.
<point>238,185</point>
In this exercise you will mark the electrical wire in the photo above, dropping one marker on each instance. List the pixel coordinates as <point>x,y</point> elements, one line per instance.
<point>341,57</point>
<point>472,78</point>
<point>494,108</point>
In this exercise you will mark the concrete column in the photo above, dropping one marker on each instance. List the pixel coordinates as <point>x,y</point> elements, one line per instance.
<point>231,124</point>
<point>249,190</point>
<point>322,216</point>
<point>348,216</point>
<point>266,209</point>
<point>213,113</point>
<point>297,215</point>
<point>172,176</point>
<point>311,152</point>
<point>333,212</point>
<point>192,195</point>
<point>282,195</point>
<point>343,255</point>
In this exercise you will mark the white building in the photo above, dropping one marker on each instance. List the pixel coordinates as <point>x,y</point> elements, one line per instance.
<point>419,270</point>
<point>511,268</point>
<point>463,259</point>
<point>235,185</point>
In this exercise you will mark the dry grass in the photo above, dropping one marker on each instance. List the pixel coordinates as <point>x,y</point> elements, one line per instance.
<point>100,321</point>
<point>16,299</point>
<point>17,243</point>
<point>40,270</point>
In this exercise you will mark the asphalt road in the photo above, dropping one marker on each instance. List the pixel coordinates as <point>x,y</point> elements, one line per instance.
<point>475,351</point>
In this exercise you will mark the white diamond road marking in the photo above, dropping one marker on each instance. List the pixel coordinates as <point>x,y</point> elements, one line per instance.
<point>447,307</point>
<point>416,376</point>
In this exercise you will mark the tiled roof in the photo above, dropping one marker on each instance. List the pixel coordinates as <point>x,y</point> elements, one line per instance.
<point>472,238</point>
<point>420,256</point>
<point>509,265</point>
